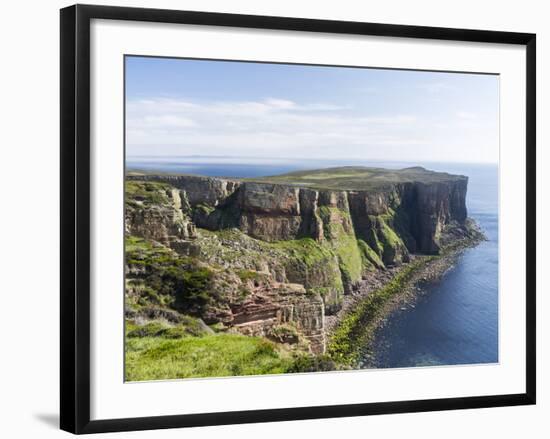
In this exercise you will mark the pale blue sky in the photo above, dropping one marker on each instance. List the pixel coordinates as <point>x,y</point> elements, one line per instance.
<point>261,111</point>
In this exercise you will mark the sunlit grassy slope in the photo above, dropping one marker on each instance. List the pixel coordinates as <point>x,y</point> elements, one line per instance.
<point>158,358</point>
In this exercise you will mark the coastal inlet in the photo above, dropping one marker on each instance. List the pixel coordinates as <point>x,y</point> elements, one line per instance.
<point>280,274</point>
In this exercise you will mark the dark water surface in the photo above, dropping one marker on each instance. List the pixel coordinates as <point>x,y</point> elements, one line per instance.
<point>454,321</point>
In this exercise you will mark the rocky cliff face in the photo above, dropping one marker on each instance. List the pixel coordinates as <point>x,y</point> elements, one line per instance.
<point>166,258</point>
<point>416,212</point>
<point>158,212</point>
<point>283,312</point>
<point>310,244</point>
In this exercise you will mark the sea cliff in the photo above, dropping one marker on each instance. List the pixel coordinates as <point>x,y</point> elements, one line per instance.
<point>275,257</point>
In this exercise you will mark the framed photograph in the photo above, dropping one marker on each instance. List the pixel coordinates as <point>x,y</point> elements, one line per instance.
<point>273,218</point>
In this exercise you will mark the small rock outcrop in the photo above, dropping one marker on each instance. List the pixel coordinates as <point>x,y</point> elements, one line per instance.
<point>158,212</point>
<point>284,313</point>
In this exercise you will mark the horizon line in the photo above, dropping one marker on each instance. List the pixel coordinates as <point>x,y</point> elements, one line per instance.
<point>298,159</point>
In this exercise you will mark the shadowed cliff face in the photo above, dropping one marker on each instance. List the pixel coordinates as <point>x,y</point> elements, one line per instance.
<point>301,246</point>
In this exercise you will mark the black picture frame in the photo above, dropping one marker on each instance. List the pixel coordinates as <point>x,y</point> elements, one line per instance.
<point>75,217</point>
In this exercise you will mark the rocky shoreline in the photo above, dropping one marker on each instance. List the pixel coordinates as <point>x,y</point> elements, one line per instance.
<point>428,269</point>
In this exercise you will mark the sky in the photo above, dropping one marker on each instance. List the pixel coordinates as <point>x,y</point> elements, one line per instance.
<point>233,111</point>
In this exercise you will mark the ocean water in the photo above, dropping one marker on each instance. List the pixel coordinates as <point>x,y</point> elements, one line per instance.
<point>455,320</point>
<point>202,166</point>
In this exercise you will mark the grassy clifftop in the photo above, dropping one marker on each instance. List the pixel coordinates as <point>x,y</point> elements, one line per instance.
<point>358,177</point>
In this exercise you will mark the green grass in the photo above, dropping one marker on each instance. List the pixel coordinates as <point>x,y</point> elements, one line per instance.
<point>357,177</point>
<point>188,326</point>
<point>349,258</point>
<point>157,358</point>
<point>388,235</point>
<point>167,275</point>
<point>307,249</point>
<point>371,259</point>
<point>312,264</point>
<point>342,242</point>
<point>147,192</point>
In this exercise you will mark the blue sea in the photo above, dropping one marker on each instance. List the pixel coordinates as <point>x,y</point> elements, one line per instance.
<point>455,320</point>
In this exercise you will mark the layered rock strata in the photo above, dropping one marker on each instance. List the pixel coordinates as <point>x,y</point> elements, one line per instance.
<point>417,211</point>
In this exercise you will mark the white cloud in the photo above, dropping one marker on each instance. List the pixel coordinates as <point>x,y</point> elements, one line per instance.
<point>166,121</point>
<point>467,115</point>
<point>272,126</point>
<point>276,128</point>
<point>280,103</point>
